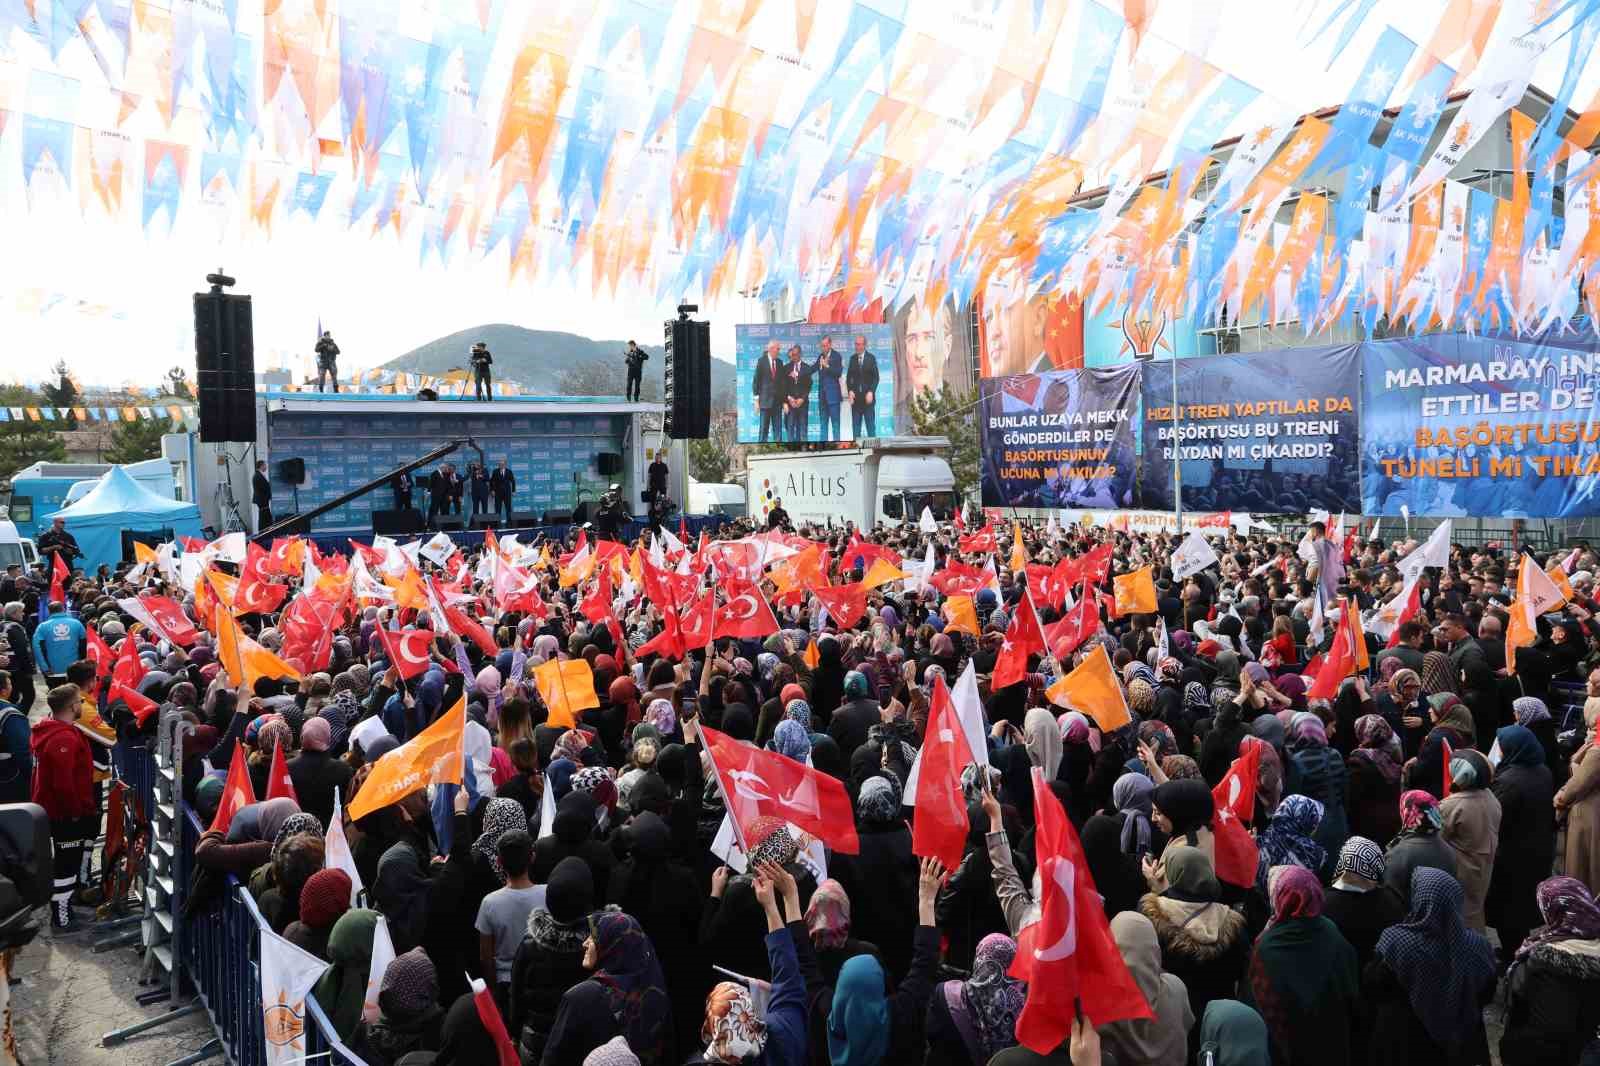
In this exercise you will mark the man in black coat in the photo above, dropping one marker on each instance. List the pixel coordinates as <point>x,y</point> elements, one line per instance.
<point>861,386</point>
<point>57,541</point>
<point>1478,685</point>
<point>767,386</point>
<point>401,483</point>
<point>797,396</point>
<point>327,361</point>
<point>444,489</point>
<point>261,496</point>
<point>503,485</point>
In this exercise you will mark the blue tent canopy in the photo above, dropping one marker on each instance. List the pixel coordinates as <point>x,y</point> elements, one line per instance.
<point>120,503</point>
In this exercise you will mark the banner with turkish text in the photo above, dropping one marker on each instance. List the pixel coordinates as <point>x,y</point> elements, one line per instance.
<point>1061,438</point>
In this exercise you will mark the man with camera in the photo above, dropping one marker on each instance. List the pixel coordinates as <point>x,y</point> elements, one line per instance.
<point>482,384</point>
<point>635,357</point>
<point>327,361</point>
<point>611,513</point>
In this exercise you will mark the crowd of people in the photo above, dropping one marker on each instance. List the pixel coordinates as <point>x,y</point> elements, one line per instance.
<point>1428,835</point>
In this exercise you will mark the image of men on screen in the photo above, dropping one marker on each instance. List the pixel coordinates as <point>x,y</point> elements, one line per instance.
<point>796,396</point>
<point>861,385</point>
<point>769,393</point>
<point>829,371</point>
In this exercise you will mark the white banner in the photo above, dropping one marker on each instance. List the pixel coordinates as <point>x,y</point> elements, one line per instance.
<point>1192,556</point>
<point>287,974</point>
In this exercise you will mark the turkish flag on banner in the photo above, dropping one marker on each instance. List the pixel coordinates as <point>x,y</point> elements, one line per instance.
<point>763,784</point>
<point>407,650</point>
<point>1234,800</point>
<point>279,784</point>
<point>1024,636</point>
<point>845,603</point>
<point>237,792</point>
<point>939,828</point>
<point>1066,954</point>
<point>745,615</point>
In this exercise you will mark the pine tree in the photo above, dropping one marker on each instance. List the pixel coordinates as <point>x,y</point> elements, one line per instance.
<point>951,414</point>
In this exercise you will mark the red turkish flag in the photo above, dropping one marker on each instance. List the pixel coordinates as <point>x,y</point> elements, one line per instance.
<point>978,543</point>
<point>745,615</point>
<point>129,669</point>
<point>237,792</point>
<point>1234,800</point>
<point>1078,625</point>
<point>959,522</point>
<point>939,828</point>
<point>407,650</point>
<point>866,553</point>
<point>1024,636</point>
<point>763,784</point>
<point>1067,954</point>
<point>60,574</point>
<point>1447,755</point>
<point>141,705</point>
<point>1044,583</point>
<point>845,603</point>
<point>1340,662</point>
<point>697,621</point>
<point>169,619</point>
<point>1093,566</point>
<point>959,579</point>
<point>1408,611</point>
<point>596,606</point>
<point>99,653</point>
<point>279,784</point>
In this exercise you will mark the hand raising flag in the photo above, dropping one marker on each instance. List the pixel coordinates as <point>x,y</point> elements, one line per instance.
<point>758,784</point>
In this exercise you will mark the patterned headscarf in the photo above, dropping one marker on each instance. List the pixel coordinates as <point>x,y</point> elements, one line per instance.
<point>1170,669</point>
<point>798,711</point>
<point>300,822</point>
<point>596,780</point>
<point>338,713</point>
<point>570,745</point>
<point>410,985</point>
<point>774,842</point>
<point>732,1030</point>
<point>791,739</point>
<point>661,715</point>
<point>1141,696</point>
<point>626,967</point>
<point>1180,767</point>
<point>1570,913</point>
<point>1287,838</point>
<point>1529,709</point>
<point>1361,857</point>
<point>1295,893</point>
<point>1443,966</point>
<point>500,816</point>
<point>879,801</point>
<point>1076,729</point>
<point>1377,741</point>
<point>1196,698</point>
<point>1419,813</point>
<point>1437,676</point>
<point>828,916</point>
<point>992,997</point>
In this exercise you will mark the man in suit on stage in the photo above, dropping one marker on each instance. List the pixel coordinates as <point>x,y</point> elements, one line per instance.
<point>797,396</point>
<point>861,384</point>
<point>828,370</point>
<point>769,392</point>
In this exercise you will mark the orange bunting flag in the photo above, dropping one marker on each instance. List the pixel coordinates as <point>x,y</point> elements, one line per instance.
<point>960,615</point>
<point>812,656</point>
<point>246,661</point>
<point>1019,557</point>
<point>1092,688</point>
<point>1135,592</point>
<point>567,687</point>
<point>1536,595</point>
<point>433,756</point>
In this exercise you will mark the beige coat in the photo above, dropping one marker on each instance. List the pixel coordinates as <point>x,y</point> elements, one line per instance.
<point>1581,797</point>
<point>1472,829</point>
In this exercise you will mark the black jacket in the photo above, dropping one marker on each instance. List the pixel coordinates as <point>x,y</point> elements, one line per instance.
<point>861,375</point>
<point>881,883</point>
<point>315,775</point>
<point>503,482</point>
<point>1553,1004</point>
<point>849,724</point>
<point>260,490</point>
<point>548,962</point>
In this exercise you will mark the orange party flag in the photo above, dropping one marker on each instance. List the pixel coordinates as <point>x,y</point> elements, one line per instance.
<point>1135,592</point>
<point>960,615</point>
<point>433,756</point>
<point>881,572</point>
<point>812,656</point>
<point>1093,689</point>
<point>567,687</point>
<point>1019,558</point>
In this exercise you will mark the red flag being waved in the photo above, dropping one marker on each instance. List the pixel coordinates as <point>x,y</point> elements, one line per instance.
<point>407,650</point>
<point>1024,637</point>
<point>129,669</point>
<point>866,553</point>
<point>959,579</point>
<point>60,574</point>
<point>979,543</point>
<point>505,1051</point>
<point>141,705</point>
<point>1234,802</point>
<point>99,654</point>
<point>279,784</point>
<point>1342,659</point>
<point>745,614</point>
<point>763,784</point>
<point>1080,623</point>
<point>237,792</point>
<point>1066,953</point>
<point>939,829</point>
<point>1046,585</point>
<point>845,603</point>
<point>1093,566</point>
<point>1446,755</point>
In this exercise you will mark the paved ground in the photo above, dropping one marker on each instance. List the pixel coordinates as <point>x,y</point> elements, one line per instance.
<point>70,997</point>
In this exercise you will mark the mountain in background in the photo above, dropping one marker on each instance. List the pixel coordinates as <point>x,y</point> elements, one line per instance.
<point>539,359</point>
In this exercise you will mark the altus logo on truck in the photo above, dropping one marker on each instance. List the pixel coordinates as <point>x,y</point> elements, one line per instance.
<point>798,485</point>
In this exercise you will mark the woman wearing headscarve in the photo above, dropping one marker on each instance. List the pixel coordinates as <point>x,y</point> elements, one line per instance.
<point>574,833</point>
<point>1471,815</point>
<point>1116,874</point>
<point>297,853</point>
<point>1221,745</point>
<point>827,924</point>
<point>1318,771</point>
<point>1438,676</point>
<point>409,1016</point>
<point>1182,810</point>
<point>1042,738</point>
<point>1080,743</point>
<point>1532,714</point>
<point>1553,986</point>
<point>1163,1038</point>
<point>849,724</point>
<point>1204,943</point>
<point>342,989</point>
<point>883,875</point>
<point>971,1021</point>
<point>1527,848</point>
<point>657,889</point>
<point>550,958</point>
<point>1405,707</point>
<point>1427,770</point>
<point>1303,976</point>
<point>418,896</point>
<point>1231,1034</point>
<point>1579,801</point>
<point>323,899</point>
<point>626,996</point>
<point>316,774</point>
<point>1290,839</point>
<point>1417,845</point>
<point>247,843</point>
<point>1358,902</point>
<point>827,678</point>
<point>1270,771</point>
<point>1131,795</point>
<point>1429,981</point>
<point>1373,770</point>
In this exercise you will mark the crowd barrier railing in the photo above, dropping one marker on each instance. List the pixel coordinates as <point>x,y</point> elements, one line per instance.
<point>219,955</point>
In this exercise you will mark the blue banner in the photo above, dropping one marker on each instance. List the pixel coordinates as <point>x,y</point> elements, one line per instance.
<point>1490,426</point>
<point>1063,438</point>
<point>794,382</point>
<point>1271,433</point>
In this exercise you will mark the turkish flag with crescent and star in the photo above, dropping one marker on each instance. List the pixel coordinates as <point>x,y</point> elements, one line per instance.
<point>845,603</point>
<point>407,650</point>
<point>1066,953</point>
<point>763,784</point>
<point>1077,626</point>
<point>1234,800</point>
<point>1024,636</point>
<point>745,614</point>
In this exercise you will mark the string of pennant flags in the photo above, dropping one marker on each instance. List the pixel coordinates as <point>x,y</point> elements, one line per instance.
<point>179,413</point>
<point>884,150</point>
